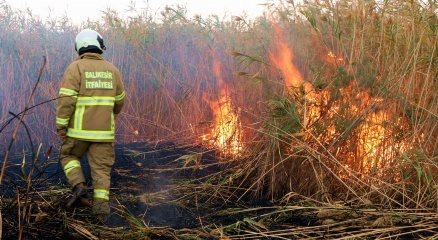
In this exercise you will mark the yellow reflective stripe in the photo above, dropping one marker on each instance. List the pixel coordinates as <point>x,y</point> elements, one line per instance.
<point>113,122</point>
<point>79,116</point>
<point>62,121</point>
<point>95,101</point>
<point>71,165</point>
<point>68,92</point>
<point>120,96</point>
<point>101,193</point>
<point>93,135</point>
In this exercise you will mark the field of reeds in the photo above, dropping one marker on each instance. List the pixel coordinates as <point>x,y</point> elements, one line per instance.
<point>316,120</point>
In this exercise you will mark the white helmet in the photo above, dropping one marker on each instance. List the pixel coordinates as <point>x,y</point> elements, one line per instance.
<point>89,39</point>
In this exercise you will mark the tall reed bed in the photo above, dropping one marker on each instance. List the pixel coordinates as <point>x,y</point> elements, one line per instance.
<point>388,50</point>
<point>387,53</point>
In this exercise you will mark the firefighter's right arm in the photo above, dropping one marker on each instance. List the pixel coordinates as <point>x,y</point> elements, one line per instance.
<point>68,94</point>
<point>120,94</point>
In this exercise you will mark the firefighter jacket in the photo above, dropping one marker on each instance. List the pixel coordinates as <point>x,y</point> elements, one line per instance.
<point>91,94</point>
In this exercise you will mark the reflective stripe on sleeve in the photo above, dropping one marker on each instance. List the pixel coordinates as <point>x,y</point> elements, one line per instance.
<point>113,122</point>
<point>72,164</point>
<point>79,116</point>
<point>62,121</point>
<point>101,194</point>
<point>120,96</point>
<point>68,92</point>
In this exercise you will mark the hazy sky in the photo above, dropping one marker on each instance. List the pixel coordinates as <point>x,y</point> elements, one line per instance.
<point>80,10</point>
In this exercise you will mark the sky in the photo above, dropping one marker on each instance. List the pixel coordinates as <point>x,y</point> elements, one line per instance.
<point>80,10</point>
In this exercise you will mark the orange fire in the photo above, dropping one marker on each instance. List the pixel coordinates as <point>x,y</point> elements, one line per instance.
<point>375,129</point>
<point>282,58</point>
<point>372,142</point>
<point>226,134</point>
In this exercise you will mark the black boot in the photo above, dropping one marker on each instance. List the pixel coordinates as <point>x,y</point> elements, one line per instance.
<point>79,191</point>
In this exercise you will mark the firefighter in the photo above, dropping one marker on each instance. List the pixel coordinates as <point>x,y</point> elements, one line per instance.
<point>91,95</point>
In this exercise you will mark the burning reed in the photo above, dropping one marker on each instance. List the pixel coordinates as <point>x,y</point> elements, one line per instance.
<point>327,102</point>
<point>344,130</point>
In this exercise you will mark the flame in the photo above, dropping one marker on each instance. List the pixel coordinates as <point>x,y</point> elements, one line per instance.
<point>226,134</point>
<point>371,136</point>
<point>376,144</point>
<point>372,145</point>
<point>283,59</point>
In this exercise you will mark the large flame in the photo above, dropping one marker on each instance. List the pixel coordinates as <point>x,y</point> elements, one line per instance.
<point>373,142</point>
<point>375,129</point>
<point>226,134</point>
<point>282,58</point>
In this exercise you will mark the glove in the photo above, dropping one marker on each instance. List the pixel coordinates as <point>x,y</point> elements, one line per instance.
<point>62,133</point>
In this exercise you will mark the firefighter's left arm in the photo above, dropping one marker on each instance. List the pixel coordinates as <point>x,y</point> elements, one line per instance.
<point>120,94</point>
<point>68,94</point>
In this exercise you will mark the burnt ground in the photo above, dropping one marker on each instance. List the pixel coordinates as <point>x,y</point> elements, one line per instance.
<point>144,178</point>
<point>152,183</point>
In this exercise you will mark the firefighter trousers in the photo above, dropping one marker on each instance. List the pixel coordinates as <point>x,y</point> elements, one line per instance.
<point>101,158</point>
